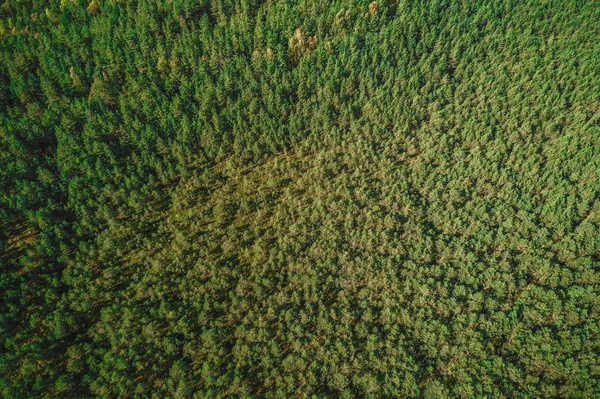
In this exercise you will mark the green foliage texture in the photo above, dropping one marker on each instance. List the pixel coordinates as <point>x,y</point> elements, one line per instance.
<point>299,199</point>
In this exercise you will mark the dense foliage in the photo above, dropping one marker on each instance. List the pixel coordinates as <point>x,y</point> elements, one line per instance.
<point>318,198</point>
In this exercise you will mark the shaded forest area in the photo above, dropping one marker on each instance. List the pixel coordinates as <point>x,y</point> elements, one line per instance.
<point>299,199</point>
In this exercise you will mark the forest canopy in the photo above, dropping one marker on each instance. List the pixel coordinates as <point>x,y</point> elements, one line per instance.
<point>311,199</point>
